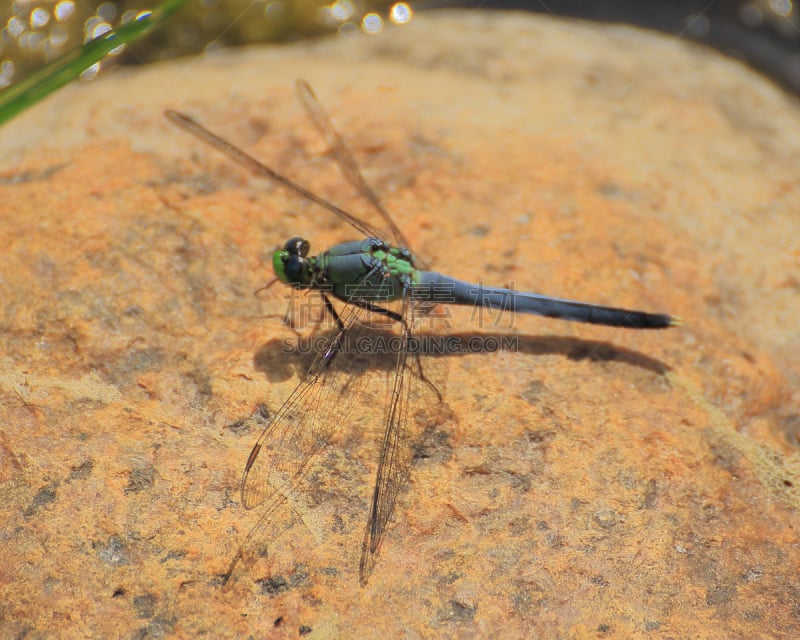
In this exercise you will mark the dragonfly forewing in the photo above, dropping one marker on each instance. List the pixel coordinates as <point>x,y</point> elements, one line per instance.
<point>344,158</point>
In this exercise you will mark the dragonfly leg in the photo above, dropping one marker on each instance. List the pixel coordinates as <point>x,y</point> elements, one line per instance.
<point>421,373</point>
<point>336,344</point>
<point>399,318</point>
<point>369,306</point>
<point>330,309</point>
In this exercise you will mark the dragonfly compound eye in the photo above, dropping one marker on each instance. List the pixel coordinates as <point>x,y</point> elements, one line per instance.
<point>290,268</point>
<point>297,246</point>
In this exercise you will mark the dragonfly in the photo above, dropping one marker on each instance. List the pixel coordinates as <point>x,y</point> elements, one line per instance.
<point>374,275</point>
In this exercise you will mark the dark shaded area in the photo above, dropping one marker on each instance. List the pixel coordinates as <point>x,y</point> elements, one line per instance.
<point>44,496</point>
<point>82,470</point>
<point>376,350</point>
<point>140,479</point>
<point>273,585</point>
<point>145,605</point>
<point>113,553</point>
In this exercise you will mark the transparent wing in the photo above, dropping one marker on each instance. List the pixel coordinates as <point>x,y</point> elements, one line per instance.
<point>261,170</point>
<point>304,424</point>
<point>413,408</point>
<point>291,442</point>
<point>345,159</point>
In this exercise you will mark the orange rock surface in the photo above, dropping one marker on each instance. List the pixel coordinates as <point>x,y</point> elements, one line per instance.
<point>588,482</point>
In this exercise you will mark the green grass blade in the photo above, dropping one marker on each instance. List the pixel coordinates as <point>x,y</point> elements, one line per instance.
<point>66,68</point>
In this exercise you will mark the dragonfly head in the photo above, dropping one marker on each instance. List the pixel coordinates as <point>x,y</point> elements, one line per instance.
<point>290,264</point>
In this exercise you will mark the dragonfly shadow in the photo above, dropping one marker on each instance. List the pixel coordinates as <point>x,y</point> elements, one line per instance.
<point>374,349</point>
<point>279,361</point>
<point>567,346</point>
<point>369,348</point>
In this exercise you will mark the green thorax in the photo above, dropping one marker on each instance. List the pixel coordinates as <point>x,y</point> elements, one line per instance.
<point>367,270</point>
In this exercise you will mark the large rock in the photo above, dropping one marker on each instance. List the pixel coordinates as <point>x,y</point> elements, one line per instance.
<point>587,481</point>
